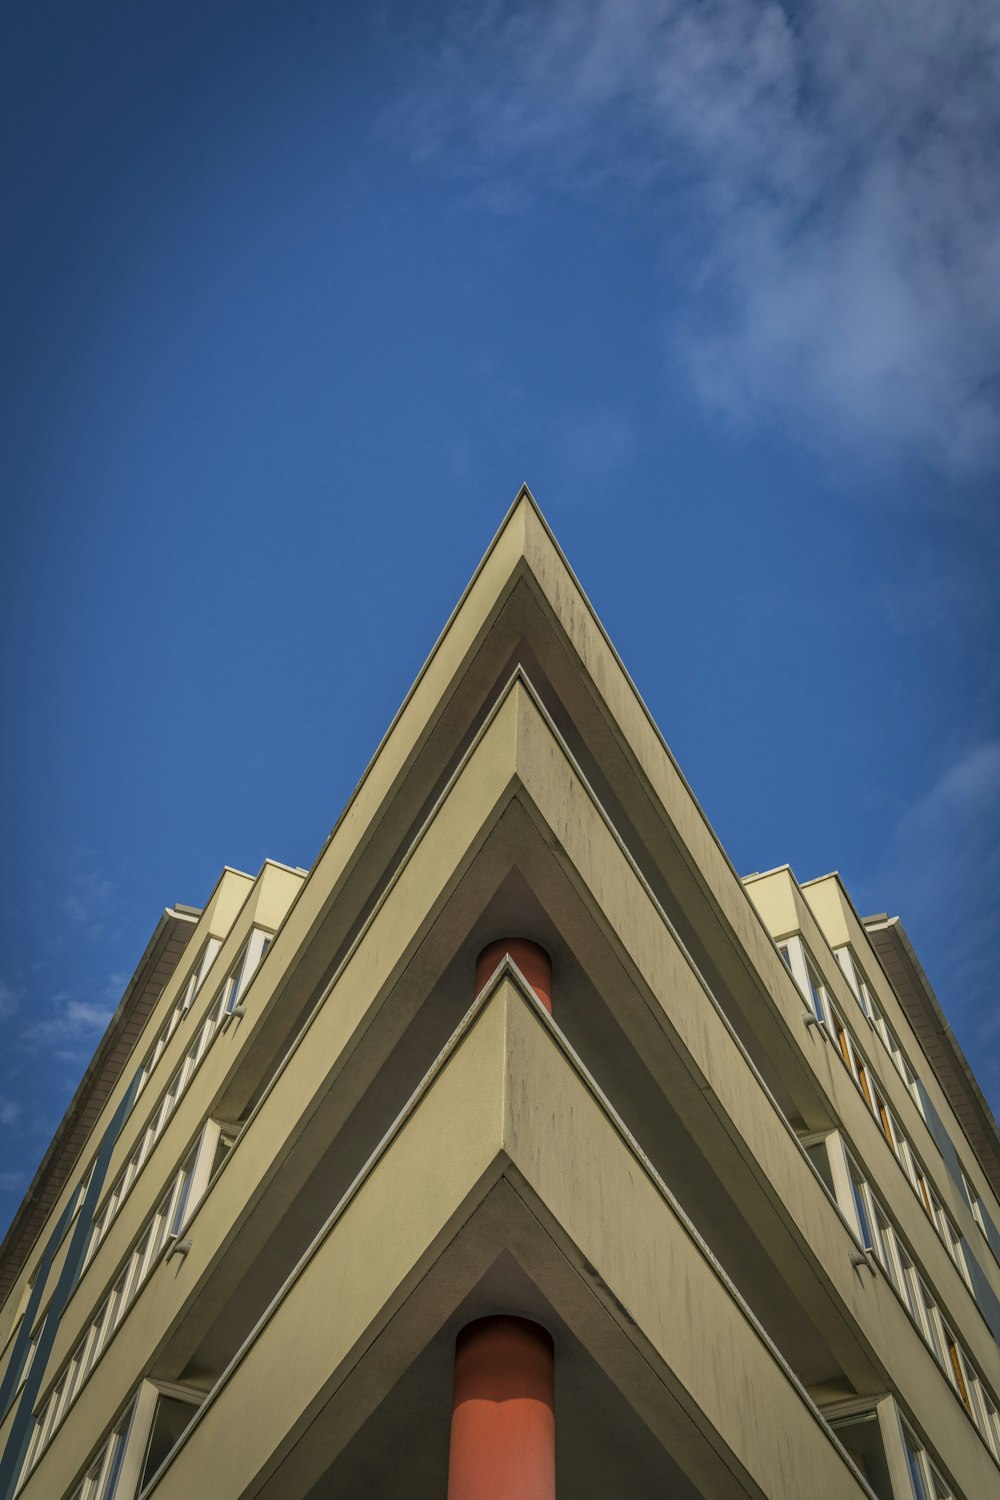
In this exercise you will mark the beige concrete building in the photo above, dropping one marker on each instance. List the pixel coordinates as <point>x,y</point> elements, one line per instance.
<point>722,1222</point>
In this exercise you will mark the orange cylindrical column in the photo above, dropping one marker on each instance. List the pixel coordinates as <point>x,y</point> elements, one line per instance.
<point>503,1429</point>
<point>531,958</point>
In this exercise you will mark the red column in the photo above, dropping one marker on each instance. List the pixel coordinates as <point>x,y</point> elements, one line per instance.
<point>532,960</point>
<point>503,1432</point>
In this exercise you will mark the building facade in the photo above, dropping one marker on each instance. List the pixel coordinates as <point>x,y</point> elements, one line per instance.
<point>517,1145</point>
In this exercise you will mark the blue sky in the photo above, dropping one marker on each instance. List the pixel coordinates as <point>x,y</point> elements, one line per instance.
<point>295,296</point>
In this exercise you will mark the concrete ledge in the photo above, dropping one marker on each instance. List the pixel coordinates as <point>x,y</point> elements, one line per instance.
<point>507,1101</point>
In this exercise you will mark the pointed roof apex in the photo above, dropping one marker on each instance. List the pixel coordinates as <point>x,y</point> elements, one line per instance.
<point>523,497</point>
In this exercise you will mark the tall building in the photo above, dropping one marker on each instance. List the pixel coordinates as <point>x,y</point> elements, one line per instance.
<point>518,1144</point>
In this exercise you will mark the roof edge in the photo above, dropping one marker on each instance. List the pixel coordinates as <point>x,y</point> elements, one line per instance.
<point>984,1138</point>
<point>63,1152</point>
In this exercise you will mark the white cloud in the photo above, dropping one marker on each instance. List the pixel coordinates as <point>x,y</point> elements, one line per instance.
<point>10,1112</point>
<point>825,174</point>
<point>11,1181</point>
<point>71,1024</point>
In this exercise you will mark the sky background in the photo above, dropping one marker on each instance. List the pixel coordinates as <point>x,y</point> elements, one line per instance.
<point>294,297</point>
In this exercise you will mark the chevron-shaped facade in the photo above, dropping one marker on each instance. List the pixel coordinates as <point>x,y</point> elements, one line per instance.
<point>517,1148</point>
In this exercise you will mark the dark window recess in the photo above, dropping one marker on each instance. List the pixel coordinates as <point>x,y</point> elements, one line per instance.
<point>862,1438</point>
<point>169,1421</point>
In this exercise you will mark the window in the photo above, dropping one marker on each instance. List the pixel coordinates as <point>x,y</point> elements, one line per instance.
<point>876,1018</point>
<point>862,993</point>
<point>170,1419</point>
<point>854,1062</point>
<point>863,1207</point>
<point>957,1367</point>
<point>979,1213</point>
<point>240,974</point>
<point>816,990</point>
<point>916,1463</point>
<point>134,1274</point>
<point>180,1008</point>
<point>891,1262</point>
<point>130,1456</point>
<point>102,1481</point>
<point>883,1242</point>
<point>931,1325</point>
<point>180,1196</point>
<point>32,1346</point>
<point>925,1481</point>
<point>910,1279</point>
<point>232,988</point>
<point>171,1214</point>
<point>924,1190</point>
<point>112,1311</point>
<point>860,1433</point>
<point>885,1120</point>
<point>991,1421</point>
<point>900,1147</point>
<point>820,1157</point>
<point>953,1241</point>
<point>842,1040</point>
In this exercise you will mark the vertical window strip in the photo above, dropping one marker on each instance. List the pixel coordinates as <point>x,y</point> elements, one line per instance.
<point>817,990</point>
<point>925,1481</point>
<point>182,1005</point>
<point>888,1124</point>
<point>172,1212</point>
<point>865,995</point>
<point>880,1239</point>
<point>957,1371</point>
<point>101,1479</point>
<point>232,988</point>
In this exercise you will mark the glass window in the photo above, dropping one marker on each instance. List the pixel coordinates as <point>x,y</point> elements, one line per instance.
<point>134,1271</point>
<point>991,1420</point>
<point>942,1491</point>
<point>914,1461</point>
<point>862,1437</point>
<point>32,1346</point>
<point>885,1120</point>
<point>170,1421</point>
<point>956,1367</point>
<point>817,990</point>
<point>843,1041</point>
<point>234,981</point>
<point>932,1323</point>
<point>115,1457</point>
<point>182,1194</point>
<point>94,1341</point>
<point>865,1226</point>
<point>909,1282</point>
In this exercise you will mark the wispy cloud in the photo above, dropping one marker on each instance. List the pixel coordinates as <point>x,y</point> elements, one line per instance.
<point>10,1113</point>
<point>89,894</point>
<point>70,1023</point>
<point>72,1026</point>
<point>11,1182</point>
<point>941,873</point>
<point>825,176</point>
